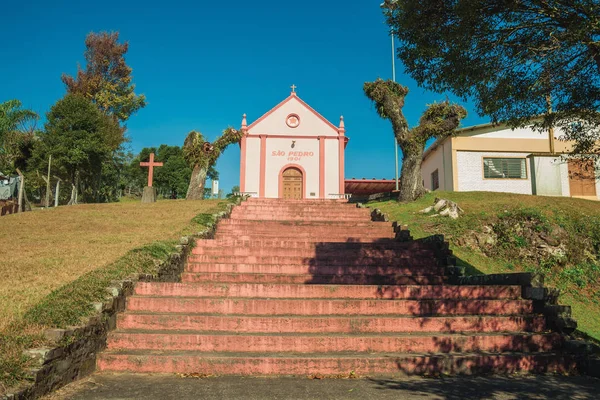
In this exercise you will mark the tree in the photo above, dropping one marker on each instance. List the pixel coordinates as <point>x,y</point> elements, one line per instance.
<point>524,62</point>
<point>80,139</point>
<point>107,79</point>
<point>440,120</point>
<point>202,156</point>
<point>234,190</point>
<point>16,136</point>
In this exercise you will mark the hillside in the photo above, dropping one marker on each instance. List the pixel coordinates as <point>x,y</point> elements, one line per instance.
<point>500,232</point>
<point>57,261</point>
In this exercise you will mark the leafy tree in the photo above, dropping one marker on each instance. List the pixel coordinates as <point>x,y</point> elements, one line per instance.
<point>523,61</point>
<point>107,79</point>
<point>202,156</point>
<point>16,136</point>
<point>440,120</point>
<point>234,190</point>
<point>80,139</point>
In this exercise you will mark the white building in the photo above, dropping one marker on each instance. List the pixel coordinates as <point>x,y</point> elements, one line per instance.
<point>292,152</point>
<point>496,158</point>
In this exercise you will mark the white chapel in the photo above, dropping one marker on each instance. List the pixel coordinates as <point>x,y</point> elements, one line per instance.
<point>292,152</point>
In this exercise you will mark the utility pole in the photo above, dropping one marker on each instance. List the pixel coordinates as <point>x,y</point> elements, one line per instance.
<point>48,182</point>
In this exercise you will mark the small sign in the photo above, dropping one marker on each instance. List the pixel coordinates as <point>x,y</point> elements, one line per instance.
<point>215,187</point>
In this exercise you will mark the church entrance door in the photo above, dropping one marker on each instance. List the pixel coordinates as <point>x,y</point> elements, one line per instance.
<point>292,183</point>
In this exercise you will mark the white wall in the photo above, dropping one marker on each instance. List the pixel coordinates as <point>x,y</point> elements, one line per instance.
<point>548,176</point>
<point>470,174</point>
<point>434,161</point>
<point>507,133</point>
<point>332,170</point>
<point>252,164</point>
<point>278,155</point>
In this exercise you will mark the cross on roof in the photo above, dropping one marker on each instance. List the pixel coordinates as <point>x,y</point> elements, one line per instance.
<point>151,164</point>
<point>293,88</point>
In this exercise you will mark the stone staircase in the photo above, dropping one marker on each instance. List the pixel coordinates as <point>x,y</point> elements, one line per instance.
<point>316,288</point>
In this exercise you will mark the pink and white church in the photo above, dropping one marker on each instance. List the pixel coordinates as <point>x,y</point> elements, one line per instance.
<point>292,151</point>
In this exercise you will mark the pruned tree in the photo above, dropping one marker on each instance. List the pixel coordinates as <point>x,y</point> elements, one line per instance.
<point>202,156</point>
<point>440,120</point>
<point>106,79</point>
<point>524,62</point>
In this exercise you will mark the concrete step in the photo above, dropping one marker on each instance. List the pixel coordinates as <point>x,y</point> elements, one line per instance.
<point>319,251</point>
<point>423,261</point>
<point>329,324</point>
<point>333,364</point>
<point>236,265</point>
<point>274,217</point>
<point>303,291</point>
<point>248,235</point>
<point>332,343</point>
<point>310,225</point>
<point>313,306</point>
<point>384,245</point>
<point>202,277</point>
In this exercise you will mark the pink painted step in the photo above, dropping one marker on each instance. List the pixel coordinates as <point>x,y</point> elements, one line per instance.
<point>317,269</point>
<point>344,279</point>
<point>294,291</point>
<point>318,252</point>
<point>328,364</point>
<point>332,343</point>
<point>317,262</point>
<point>328,324</point>
<point>257,306</point>
<point>329,238</point>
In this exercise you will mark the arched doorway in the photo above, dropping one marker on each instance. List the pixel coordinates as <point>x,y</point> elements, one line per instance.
<point>292,183</point>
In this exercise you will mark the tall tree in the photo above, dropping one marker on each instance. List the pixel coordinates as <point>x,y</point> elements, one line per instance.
<point>440,120</point>
<point>518,59</point>
<point>106,79</point>
<point>202,157</point>
<point>80,139</point>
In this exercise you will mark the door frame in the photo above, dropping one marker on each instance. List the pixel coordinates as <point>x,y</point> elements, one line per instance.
<point>287,166</point>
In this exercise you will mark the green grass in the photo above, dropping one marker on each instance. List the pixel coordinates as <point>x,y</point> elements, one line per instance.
<point>514,217</point>
<point>71,304</point>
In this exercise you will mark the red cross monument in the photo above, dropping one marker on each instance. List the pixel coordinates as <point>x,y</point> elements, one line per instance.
<point>151,166</point>
<point>149,195</point>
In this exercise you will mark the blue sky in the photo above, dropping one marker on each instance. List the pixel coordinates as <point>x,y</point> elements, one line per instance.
<point>202,64</point>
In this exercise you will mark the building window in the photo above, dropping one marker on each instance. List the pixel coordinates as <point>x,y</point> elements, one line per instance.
<point>504,168</point>
<point>435,180</point>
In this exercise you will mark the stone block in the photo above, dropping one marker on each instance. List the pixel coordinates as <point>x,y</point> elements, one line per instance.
<point>149,195</point>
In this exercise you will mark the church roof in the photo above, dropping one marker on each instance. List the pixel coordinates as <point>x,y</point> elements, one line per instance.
<point>291,97</point>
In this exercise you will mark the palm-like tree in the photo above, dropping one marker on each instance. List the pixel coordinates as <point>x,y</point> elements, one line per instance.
<point>12,117</point>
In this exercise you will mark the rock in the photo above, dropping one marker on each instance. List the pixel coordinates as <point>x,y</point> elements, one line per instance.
<point>551,241</point>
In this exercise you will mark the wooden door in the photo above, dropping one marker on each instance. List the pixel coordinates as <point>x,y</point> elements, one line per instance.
<point>582,178</point>
<point>292,183</point>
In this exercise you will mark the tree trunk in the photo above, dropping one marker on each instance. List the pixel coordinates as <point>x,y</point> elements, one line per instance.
<point>197,181</point>
<point>411,181</point>
<point>74,185</point>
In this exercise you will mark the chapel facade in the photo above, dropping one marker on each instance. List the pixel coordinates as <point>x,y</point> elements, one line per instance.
<point>292,152</point>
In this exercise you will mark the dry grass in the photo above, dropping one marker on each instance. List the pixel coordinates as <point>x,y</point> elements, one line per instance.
<point>46,249</point>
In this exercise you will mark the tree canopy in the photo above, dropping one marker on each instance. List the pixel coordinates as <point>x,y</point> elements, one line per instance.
<point>439,120</point>
<point>106,79</point>
<point>518,59</point>
<point>81,139</point>
<point>15,137</point>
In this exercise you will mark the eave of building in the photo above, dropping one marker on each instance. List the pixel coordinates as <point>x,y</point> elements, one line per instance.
<point>289,98</point>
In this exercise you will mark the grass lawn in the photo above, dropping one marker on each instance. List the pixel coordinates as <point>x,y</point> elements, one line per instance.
<point>46,249</point>
<point>579,282</point>
<point>57,261</point>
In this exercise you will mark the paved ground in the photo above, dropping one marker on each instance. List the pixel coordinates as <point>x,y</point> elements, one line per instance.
<point>129,387</point>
